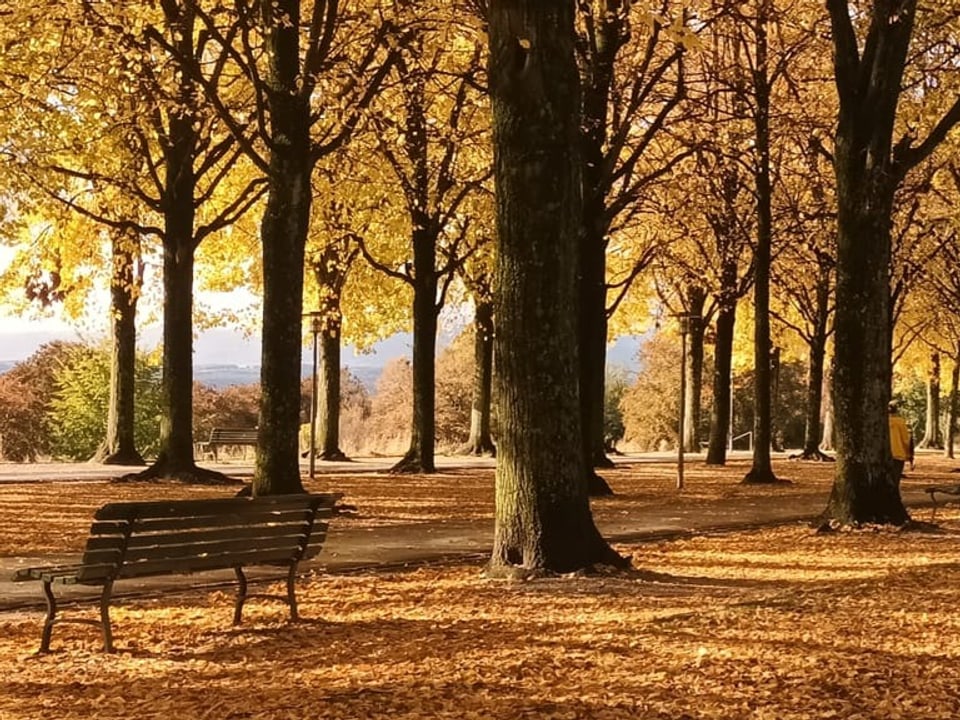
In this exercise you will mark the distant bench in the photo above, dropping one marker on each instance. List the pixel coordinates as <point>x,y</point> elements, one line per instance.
<point>236,437</point>
<point>932,490</point>
<point>147,539</point>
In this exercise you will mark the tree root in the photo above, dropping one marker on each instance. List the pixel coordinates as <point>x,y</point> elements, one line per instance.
<point>337,455</point>
<point>812,455</point>
<point>120,458</point>
<point>193,475</point>
<point>412,464</point>
<point>480,449</point>
<point>763,477</point>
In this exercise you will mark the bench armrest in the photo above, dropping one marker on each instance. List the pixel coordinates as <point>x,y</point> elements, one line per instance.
<point>44,572</point>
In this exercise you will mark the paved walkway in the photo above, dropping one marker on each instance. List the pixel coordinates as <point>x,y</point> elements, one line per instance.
<point>350,548</point>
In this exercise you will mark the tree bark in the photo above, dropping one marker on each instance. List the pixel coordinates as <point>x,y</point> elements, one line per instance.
<point>722,390</point>
<point>826,442</point>
<point>696,298</point>
<point>931,434</point>
<point>762,469</point>
<point>180,147</point>
<point>952,408</point>
<point>330,271</point>
<point>817,347</point>
<point>419,458</point>
<point>481,440</point>
<point>283,234</point>
<point>543,519</point>
<point>328,396</point>
<point>598,77</point>
<point>866,486</point>
<point>119,446</point>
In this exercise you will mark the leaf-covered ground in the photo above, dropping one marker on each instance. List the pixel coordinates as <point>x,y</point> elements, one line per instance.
<point>773,623</point>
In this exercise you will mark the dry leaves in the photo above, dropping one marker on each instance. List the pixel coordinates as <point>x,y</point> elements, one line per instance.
<point>777,623</point>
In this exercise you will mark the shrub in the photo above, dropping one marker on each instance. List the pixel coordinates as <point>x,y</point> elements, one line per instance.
<point>80,404</point>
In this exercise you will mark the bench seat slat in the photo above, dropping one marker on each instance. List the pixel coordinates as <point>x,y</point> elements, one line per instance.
<point>188,508</point>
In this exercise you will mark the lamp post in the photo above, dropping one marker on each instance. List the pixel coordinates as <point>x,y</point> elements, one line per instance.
<point>687,322</point>
<point>316,320</point>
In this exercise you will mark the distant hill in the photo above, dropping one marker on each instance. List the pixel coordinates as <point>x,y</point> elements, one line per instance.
<point>221,376</point>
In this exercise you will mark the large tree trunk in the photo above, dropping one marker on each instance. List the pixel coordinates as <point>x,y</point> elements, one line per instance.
<point>952,408</point>
<point>696,298</point>
<point>543,519</point>
<point>931,435</point>
<point>328,395</point>
<point>866,487</point>
<point>811,429</point>
<point>598,76</point>
<point>826,442</point>
<point>762,469</point>
<point>175,458</point>
<point>330,272</point>
<point>419,457</point>
<point>283,234</point>
<point>722,391</point>
<point>818,350</point>
<point>481,440</point>
<point>119,446</point>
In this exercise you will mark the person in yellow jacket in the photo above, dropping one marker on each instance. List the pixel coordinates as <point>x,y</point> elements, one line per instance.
<point>901,441</point>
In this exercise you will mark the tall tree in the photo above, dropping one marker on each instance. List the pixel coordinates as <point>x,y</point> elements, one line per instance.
<point>119,446</point>
<point>630,63</point>
<point>312,69</point>
<point>871,48</point>
<point>543,519</point>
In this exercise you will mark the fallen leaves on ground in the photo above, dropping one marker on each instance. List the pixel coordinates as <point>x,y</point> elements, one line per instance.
<point>775,623</point>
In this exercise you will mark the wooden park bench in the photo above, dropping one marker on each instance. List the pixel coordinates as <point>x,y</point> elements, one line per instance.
<point>147,539</point>
<point>236,437</point>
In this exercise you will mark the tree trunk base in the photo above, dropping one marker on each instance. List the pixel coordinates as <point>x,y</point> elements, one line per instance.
<point>758,476</point>
<point>413,464</point>
<point>815,455</point>
<point>868,496</point>
<point>121,457</point>
<point>606,557</point>
<point>337,455</point>
<point>479,449</point>
<point>597,486</point>
<point>189,475</point>
<point>716,456</point>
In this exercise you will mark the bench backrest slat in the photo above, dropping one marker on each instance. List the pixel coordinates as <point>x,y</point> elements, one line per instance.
<point>138,539</point>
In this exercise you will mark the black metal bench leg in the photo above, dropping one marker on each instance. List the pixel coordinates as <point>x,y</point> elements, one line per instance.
<point>50,619</point>
<point>241,595</point>
<point>105,617</point>
<point>291,593</point>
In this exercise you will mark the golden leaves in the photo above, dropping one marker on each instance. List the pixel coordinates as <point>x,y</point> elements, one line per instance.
<point>776,623</point>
